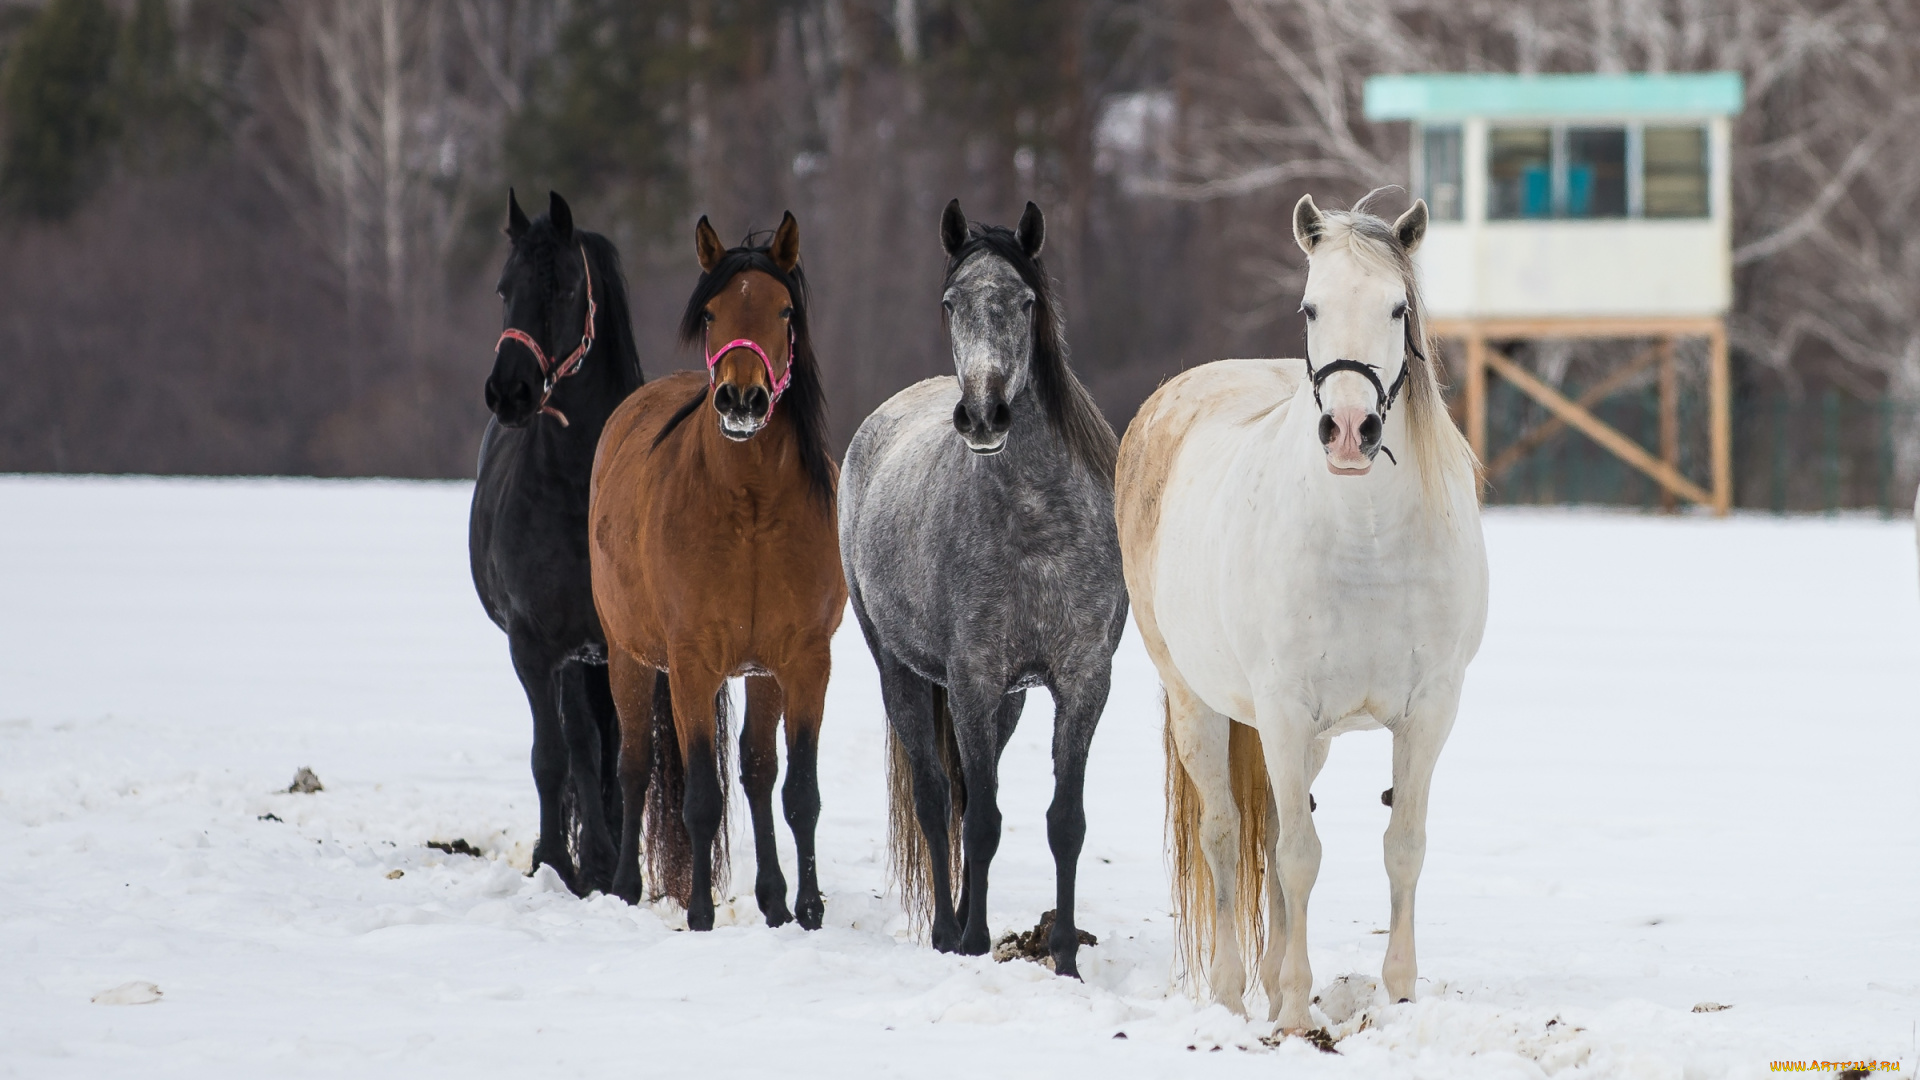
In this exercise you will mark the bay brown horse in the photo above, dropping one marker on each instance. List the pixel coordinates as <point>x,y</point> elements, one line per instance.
<point>715,554</point>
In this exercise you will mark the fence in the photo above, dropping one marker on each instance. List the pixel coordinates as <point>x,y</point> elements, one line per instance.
<point>1820,453</point>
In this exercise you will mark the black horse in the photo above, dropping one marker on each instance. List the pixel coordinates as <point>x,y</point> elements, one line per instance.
<point>565,359</point>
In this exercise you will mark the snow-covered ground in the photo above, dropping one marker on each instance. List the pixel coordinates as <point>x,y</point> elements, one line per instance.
<point>1685,771</point>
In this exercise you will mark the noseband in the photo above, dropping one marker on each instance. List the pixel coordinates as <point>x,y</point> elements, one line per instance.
<point>550,372</point>
<point>779,385</point>
<point>1372,372</point>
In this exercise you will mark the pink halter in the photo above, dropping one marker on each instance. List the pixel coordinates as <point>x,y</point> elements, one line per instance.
<point>550,372</point>
<point>779,384</point>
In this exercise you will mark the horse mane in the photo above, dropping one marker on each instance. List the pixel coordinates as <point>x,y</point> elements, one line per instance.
<point>804,400</point>
<point>615,316</point>
<point>1441,452</point>
<point>1069,407</point>
<point>540,245</point>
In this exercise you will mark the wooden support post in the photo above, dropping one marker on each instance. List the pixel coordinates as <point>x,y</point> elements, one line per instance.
<point>1535,437</point>
<point>1720,397</point>
<point>1477,392</point>
<point>1669,418</point>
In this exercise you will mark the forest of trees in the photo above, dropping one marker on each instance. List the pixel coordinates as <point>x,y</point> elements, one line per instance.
<point>258,236</point>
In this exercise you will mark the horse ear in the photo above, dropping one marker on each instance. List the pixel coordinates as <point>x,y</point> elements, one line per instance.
<point>1032,232</point>
<point>707,245</point>
<point>517,223</point>
<point>953,229</point>
<point>1308,225</point>
<point>560,214</point>
<point>786,244</point>
<point>1411,227</point>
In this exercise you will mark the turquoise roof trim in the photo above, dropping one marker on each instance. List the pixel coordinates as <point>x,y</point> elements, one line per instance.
<point>1455,97</point>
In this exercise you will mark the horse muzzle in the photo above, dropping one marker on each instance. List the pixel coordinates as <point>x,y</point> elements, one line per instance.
<point>1351,437</point>
<point>984,426</point>
<point>512,401</point>
<point>743,410</point>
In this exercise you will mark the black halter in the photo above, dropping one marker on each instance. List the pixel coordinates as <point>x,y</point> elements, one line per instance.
<point>1372,372</point>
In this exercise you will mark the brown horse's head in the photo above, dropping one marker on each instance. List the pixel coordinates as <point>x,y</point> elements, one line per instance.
<point>748,330</point>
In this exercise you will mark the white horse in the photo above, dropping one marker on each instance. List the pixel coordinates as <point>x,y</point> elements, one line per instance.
<point>1290,587</point>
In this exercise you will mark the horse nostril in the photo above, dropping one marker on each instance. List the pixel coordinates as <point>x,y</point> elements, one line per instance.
<point>1370,431</point>
<point>493,397</point>
<point>1328,429</point>
<point>725,398</point>
<point>961,421</point>
<point>1002,417</point>
<point>758,402</point>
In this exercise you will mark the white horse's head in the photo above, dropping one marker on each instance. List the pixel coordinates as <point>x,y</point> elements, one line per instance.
<point>1357,304</point>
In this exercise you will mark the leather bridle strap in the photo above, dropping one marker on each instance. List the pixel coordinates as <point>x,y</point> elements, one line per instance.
<point>1372,372</point>
<point>550,372</point>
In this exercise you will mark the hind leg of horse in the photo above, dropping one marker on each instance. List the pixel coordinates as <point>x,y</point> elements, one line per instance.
<point>910,705</point>
<point>1276,952</point>
<point>580,718</point>
<point>632,687</point>
<point>1288,743</point>
<point>805,683</point>
<point>696,689</point>
<point>539,678</point>
<point>1077,709</point>
<point>1201,738</point>
<point>1416,747</point>
<point>759,766</point>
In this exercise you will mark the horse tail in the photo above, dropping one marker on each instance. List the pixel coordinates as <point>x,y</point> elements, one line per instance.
<point>1194,907</point>
<point>669,847</point>
<point>908,855</point>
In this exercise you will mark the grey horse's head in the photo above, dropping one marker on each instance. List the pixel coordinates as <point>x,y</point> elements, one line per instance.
<point>990,326</point>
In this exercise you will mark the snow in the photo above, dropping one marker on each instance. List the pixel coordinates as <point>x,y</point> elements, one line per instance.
<point>1684,772</point>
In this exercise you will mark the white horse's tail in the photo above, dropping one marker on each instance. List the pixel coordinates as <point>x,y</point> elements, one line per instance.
<point>1194,906</point>
<point>908,858</point>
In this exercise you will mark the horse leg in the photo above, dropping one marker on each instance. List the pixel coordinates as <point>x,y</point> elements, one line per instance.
<point>696,689</point>
<point>580,718</point>
<point>977,725</point>
<point>1005,719</point>
<point>1288,744</point>
<point>909,701</point>
<point>1276,895</point>
<point>759,765</point>
<point>1416,747</point>
<point>632,686</point>
<point>1201,738</point>
<point>538,677</point>
<point>806,685</point>
<point>1077,708</point>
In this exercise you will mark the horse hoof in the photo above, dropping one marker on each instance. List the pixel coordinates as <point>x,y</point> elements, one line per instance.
<point>779,916</point>
<point>1067,966</point>
<point>945,941</point>
<point>628,890</point>
<point>700,920</point>
<point>813,913</point>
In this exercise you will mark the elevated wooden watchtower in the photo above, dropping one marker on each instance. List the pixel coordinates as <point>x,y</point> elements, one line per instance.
<point>1578,206</point>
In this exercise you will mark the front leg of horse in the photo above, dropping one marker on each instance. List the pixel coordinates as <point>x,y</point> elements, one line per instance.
<point>581,705</point>
<point>805,682</point>
<point>696,690</point>
<point>539,677</point>
<point>1077,713</point>
<point>640,698</point>
<point>1416,747</point>
<point>975,730</point>
<point>1288,745</point>
<point>759,765</point>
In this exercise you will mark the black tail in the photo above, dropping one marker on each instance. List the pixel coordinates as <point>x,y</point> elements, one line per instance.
<point>908,855</point>
<point>668,846</point>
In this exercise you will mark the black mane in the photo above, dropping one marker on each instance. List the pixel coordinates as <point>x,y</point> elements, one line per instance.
<point>540,246</point>
<point>804,400</point>
<point>1069,407</point>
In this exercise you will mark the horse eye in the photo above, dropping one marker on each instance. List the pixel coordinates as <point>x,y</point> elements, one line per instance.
<point>786,313</point>
<point>948,305</point>
<point>1399,310</point>
<point>1309,311</point>
<point>707,317</point>
<point>1027,304</point>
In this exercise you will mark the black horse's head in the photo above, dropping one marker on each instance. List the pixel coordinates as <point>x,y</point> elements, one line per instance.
<point>545,293</point>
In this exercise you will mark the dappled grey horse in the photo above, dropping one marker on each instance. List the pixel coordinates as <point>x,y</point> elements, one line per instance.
<point>977,532</point>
